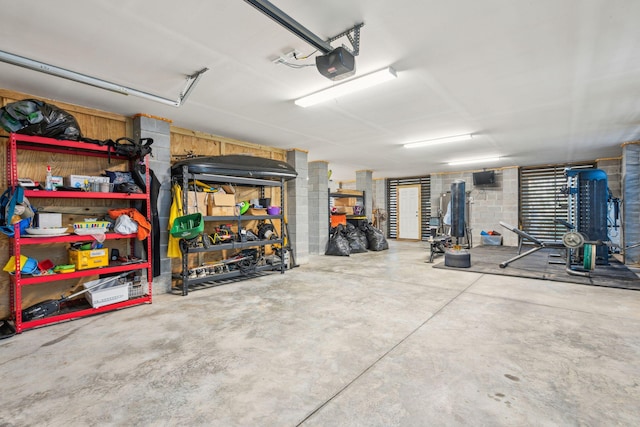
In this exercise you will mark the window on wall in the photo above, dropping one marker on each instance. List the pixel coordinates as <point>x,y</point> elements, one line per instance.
<point>541,200</point>
<point>392,203</point>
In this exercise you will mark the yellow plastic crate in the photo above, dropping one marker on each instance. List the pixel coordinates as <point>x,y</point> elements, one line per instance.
<point>92,258</point>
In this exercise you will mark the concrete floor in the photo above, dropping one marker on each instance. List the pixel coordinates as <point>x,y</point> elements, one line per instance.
<point>376,339</point>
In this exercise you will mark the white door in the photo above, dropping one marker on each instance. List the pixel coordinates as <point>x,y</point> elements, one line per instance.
<point>409,212</point>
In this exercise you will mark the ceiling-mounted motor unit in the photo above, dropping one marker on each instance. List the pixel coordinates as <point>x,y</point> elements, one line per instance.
<point>334,64</point>
<point>337,64</point>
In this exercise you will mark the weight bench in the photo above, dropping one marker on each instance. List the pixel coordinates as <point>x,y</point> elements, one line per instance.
<point>439,245</point>
<point>539,244</point>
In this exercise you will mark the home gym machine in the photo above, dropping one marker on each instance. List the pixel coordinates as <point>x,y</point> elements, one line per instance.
<point>588,194</point>
<point>586,238</point>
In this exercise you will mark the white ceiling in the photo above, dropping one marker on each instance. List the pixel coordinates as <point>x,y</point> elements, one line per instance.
<point>538,82</point>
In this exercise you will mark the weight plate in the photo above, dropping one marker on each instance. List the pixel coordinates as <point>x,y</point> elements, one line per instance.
<point>573,239</point>
<point>589,262</point>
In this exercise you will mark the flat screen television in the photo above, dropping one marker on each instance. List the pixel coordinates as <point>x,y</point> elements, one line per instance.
<point>484,178</point>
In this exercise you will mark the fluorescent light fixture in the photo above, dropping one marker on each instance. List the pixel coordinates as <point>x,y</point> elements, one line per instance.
<point>34,65</point>
<point>482,160</point>
<point>348,87</point>
<point>454,138</point>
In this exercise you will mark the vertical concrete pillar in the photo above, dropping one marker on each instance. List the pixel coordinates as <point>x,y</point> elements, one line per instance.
<point>437,188</point>
<point>160,163</point>
<point>297,206</point>
<point>613,169</point>
<point>364,182</point>
<point>631,201</point>
<point>380,202</point>
<point>318,206</point>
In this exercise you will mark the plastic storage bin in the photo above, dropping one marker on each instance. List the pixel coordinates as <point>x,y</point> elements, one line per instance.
<point>489,240</point>
<point>110,292</point>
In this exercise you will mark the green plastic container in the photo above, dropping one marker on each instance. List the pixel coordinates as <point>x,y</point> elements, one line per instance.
<point>188,226</point>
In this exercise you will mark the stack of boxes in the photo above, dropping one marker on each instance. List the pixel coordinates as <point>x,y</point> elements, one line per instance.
<point>345,205</point>
<point>212,204</point>
<point>219,204</point>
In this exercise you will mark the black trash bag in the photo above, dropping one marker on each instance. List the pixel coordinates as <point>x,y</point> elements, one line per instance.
<point>133,148</point>
<point>338,243</point>
<point>35,117</point>
<point>377,241</point>
<point>355,243</point>
<point>362,236</point>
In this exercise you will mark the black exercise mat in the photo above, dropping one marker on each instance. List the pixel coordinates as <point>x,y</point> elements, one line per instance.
<point>487,259</point>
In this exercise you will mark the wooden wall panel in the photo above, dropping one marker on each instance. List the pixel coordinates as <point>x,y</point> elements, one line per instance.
<point>228,149</point>
<point>182,145</point>
<point>93,123</point>
<point>184,141</point>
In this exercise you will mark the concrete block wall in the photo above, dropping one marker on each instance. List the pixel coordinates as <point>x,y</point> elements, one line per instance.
<point>318,206</point>
<point>364,182</point>
<point>380,201</point>
<point>378,196</point>
<point>297,206</point>
<point>347,185</point>
<point>613,169</point>
<point>487,205</point>
<point>160,163</point>
<point>631,201</point>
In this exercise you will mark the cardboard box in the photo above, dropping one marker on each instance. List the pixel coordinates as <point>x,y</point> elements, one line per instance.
<point>206,203</point>
<point>77,181</point>
<point>345,201</point>
<point>110,291</point>
<point>349,192</point>
<point>89,259</point>
<point>228,189</point>
<point>220,199</point>
<point>256,211</point>
<point>347,210</point>
<point>491,240</point>
<point>221,211</point>
<point>57,181</point>
<point>49,220</point>
<point>201,202</point>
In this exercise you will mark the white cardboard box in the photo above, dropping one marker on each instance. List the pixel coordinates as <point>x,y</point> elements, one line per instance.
<point>78,181</point>
<point>110,291</point>
<point>49,220</point>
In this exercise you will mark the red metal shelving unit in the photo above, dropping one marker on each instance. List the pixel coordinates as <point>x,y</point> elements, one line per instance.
<point>84,194</point>
<point>17,280</point>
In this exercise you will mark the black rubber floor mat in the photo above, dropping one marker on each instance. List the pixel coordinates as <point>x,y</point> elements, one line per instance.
<point>487,259</point>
